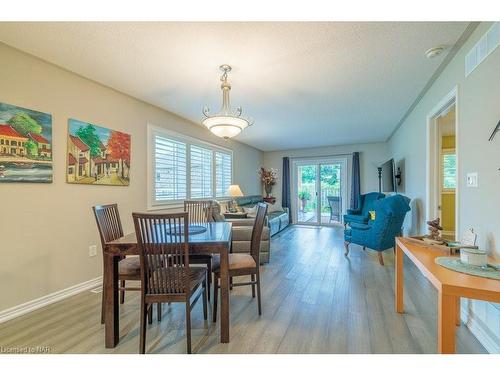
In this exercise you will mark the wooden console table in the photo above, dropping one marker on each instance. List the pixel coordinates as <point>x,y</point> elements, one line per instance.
<point>450,285</point>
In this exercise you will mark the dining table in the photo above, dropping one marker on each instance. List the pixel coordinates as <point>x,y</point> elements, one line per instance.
<point>216,239</point>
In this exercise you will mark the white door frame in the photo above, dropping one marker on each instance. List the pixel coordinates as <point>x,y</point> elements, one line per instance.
<point>315,160</point>
<point>433,143</point>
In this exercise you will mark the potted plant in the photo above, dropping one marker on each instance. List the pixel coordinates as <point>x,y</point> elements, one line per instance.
<point>304,196</point>
<point>268,178</point>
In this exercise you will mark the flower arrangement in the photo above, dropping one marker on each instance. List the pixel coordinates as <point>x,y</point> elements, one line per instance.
<point>268,178</point>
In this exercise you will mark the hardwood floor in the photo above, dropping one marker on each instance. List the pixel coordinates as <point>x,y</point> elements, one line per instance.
<point>314,301</point>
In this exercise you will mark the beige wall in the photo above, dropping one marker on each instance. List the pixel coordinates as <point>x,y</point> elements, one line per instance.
<point>371,154</point>
<point>478,113</point>
<point>46,229</point>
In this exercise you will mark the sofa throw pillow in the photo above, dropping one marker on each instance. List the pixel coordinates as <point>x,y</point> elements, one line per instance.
<point>372,215</point>
<point>274,207</point>
<point>251,211</point>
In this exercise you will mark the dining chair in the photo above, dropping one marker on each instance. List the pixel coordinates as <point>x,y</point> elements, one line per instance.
<point>244,264</point>
<point>199,212</point>
<point>165,272</point>
<point>110,229</point>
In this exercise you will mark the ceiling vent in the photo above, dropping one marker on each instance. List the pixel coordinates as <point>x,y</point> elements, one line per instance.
<point>486,45</point>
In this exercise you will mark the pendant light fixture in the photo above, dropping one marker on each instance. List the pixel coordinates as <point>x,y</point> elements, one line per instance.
<point>227,123</point>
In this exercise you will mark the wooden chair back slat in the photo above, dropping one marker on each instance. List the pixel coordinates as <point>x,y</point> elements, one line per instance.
<point>108,222</point>
<point>164,252</point>
<point>198,211</point>
<point>258,227</point>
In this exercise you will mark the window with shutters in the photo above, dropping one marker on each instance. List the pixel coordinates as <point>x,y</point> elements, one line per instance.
<point>201,172</point>
<point>170,169</point>
<point>449,170</point>
<point>181,167</point>
<point>223,173</point>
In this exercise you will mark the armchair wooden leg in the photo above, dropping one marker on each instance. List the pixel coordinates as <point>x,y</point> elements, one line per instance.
<point>380,258</point>
<point>346,245</point>
<point>205,302</point>
<point>188,327</point>
<point>103,302</point>
<point>253,286</point>
<point>150,314</point>
<point>258,293</point>
<point>216,296</point>
<point>142,342</point>
<point>158,312</point>
<point>122,292</point>
<point>209,277</point>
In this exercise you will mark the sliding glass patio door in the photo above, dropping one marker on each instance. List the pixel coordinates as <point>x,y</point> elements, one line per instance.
<point>318,191</point>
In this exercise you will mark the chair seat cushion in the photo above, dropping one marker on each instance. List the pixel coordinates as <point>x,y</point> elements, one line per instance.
<point>169,278</point>
<point>236,262</point>
<point>129,266</point>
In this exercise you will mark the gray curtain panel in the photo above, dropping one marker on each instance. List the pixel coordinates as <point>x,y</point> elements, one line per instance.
<point>285,192</point>
<point>356,181</point>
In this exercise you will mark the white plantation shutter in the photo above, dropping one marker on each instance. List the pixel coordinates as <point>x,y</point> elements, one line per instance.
<point>182,167</point>
<point>223,173</point>
<point>201,172</point>
<point>170,167</point>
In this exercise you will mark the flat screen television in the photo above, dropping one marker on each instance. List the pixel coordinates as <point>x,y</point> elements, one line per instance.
<point>388,177</point>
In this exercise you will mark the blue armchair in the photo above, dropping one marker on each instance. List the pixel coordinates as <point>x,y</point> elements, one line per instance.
<point>361,214</point>
<point>379,234</point>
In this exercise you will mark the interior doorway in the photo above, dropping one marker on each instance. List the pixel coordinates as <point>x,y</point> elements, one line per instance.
<point>442,165</point>
<point>319,191</point>
<point>447,182</point>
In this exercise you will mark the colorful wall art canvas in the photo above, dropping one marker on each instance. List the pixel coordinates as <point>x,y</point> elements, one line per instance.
<point>25,145</point>
<point>97,155</point>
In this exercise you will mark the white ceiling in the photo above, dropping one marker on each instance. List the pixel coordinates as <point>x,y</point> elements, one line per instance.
<point>305,84</point>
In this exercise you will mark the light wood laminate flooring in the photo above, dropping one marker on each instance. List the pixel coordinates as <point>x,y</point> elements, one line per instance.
<point>315,300</point>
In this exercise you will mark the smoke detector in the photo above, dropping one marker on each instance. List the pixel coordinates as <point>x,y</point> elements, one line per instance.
<point>434,51</point>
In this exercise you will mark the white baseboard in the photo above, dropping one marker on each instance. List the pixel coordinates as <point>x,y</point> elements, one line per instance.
<point>476,326</point>
<point>38,303</point>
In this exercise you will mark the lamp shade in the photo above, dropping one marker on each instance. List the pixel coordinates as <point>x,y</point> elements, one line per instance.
<point>234,191</point>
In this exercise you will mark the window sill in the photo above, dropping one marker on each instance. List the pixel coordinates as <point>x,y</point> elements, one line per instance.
<point>166,206</point>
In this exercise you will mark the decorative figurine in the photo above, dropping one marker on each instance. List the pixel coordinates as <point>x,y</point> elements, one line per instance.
<point>434,229</point>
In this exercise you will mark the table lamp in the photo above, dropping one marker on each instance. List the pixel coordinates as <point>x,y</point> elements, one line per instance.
<point>234,191</point>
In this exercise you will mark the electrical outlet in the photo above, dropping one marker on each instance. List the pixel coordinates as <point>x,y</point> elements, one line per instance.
<point>472,179</point>
<point>92,250</point>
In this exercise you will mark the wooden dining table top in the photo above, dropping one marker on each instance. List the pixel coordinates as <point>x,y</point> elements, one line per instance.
<point>216,233</point>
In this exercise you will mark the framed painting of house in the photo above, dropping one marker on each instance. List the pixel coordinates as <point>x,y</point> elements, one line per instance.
<point>25,145</point>
<point>97,155</point>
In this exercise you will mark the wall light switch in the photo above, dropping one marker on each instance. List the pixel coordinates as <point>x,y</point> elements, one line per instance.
<point>472,179</point>
<point>92,251</point>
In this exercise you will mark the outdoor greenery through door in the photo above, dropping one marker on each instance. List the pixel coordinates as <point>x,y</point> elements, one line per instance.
<point>318,192</point>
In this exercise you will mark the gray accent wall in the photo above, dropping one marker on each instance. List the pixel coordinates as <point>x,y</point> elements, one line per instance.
<point>478,113</point>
